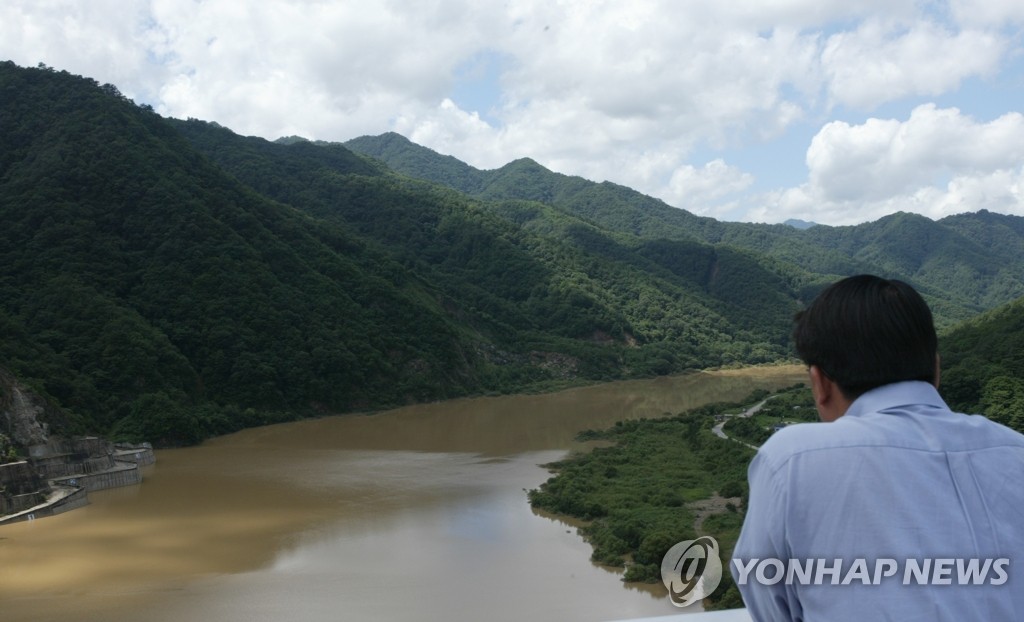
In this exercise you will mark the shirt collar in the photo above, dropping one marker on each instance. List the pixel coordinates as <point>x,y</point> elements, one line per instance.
<point>895,395</point>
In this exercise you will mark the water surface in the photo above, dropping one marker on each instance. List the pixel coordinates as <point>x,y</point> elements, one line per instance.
<point>418,513</point>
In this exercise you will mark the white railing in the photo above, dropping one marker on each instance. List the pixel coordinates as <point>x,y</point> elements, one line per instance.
<point>728,615</point>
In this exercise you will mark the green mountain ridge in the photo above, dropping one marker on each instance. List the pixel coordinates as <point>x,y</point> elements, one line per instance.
<point>495,257</point>
<point>983,365</point>
<point>963,264</point>
<point>169,280</point>
<point>141,285</point>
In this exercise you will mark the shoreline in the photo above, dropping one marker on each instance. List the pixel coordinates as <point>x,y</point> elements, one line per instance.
<point>238,504</point>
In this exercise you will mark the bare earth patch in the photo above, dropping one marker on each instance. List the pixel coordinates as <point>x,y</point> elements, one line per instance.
<point>707,507</point>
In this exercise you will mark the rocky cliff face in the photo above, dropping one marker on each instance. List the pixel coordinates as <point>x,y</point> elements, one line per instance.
<point>25,417</point>
<point>43,470</point>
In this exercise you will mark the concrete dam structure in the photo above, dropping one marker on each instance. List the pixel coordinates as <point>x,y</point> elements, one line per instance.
<point>59,474</point>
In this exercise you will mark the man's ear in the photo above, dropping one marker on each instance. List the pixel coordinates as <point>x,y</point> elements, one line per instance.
<point>820,386</point>
<point>828,399</point>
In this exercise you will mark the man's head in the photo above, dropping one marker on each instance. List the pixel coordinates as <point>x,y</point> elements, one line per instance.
<point>864,332</point>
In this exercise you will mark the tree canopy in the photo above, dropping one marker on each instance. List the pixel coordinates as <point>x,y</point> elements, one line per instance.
<point>167,280</point>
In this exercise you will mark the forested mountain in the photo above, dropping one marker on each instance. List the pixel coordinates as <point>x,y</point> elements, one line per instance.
<point>167,280</point>
<point>143,287</point>
<point>983,365</point>
<point>963,264</point>
<point>524,271</point>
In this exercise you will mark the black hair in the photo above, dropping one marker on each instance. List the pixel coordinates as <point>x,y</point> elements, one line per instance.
<point>865,331</point>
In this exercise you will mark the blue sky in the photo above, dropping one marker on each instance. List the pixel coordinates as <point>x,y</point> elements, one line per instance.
<point>477,85</point>
<point>752,110</point>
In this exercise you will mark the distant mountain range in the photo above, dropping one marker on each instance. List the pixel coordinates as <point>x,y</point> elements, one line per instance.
<point>167,280</point>
<point>951,260</point>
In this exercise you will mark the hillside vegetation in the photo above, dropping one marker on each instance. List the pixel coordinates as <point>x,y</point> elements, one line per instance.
<point>619,490</point>
<point>148,290</point>
<point>983,365</point>
<point>662,481</point>
<point>962,264</point>
<point>169,280</point>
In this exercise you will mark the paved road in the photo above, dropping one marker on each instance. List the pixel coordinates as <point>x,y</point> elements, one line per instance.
<point>720,432</point>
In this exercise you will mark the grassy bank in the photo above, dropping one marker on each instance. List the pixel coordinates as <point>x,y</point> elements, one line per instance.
<point>661,481</point>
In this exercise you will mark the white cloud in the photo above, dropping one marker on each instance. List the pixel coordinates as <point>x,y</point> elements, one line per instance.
<point>701,189</point>
<point>886,157</point>
<point>99,39</point>
<point>937,162</point>
<point>884,61</point>
<point>325,70</point>
<point>590,88</point>
<point>624,90</point>
<point>761,15</point>
<point>449,129</point>
<point>987,12</point>
<point>1000,191</point>
<point>659,67</point>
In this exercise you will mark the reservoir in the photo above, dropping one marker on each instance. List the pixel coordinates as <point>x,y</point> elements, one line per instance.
<point>418,513</point>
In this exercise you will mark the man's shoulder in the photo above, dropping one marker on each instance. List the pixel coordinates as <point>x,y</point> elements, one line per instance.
<point>802,437</point>
<point>898,427</point>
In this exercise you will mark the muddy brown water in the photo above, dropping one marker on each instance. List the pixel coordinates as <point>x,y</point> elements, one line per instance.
<point>418,513</point>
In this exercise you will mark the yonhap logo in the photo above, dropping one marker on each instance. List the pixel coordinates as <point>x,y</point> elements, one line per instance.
<point>838,571</point>
<point>691,570</point>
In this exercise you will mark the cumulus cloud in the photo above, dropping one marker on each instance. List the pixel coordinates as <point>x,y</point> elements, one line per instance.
<point>100,39</point>
<point>626,91</point>
<point>987,12</point>
<point>883,61</point>
<point>702,189</point>
<point>937,162</point>
<point>649,68</point>
<point>883,157</point>
<point>327,70</point>
<point>449,129</point>
<point>1000,191</point>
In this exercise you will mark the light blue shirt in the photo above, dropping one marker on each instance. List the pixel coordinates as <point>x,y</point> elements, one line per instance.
<point>898,477</point>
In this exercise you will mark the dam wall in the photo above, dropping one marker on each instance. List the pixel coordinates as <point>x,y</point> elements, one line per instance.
<point>59,474</point>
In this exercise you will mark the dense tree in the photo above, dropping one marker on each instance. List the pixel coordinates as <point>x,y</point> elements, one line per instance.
<point>963,264</point>
<point>146,263</point>
<point>1002,400</point>
<point>983,365</point>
